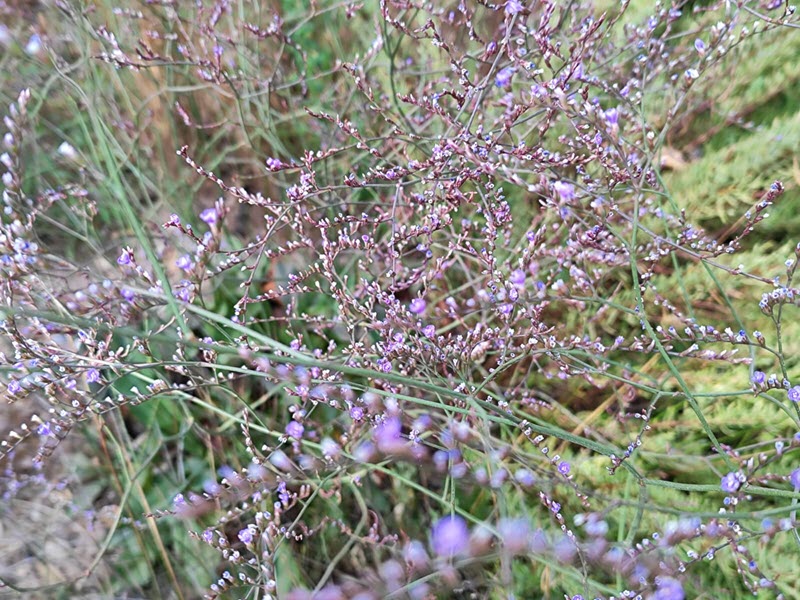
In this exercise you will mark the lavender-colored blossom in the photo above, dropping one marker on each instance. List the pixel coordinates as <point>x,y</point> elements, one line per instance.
<point>503,78</point>
<point>295,429</point>
<point>246,535</point>
<point>416,556</point>
<point>388,436</point>
<point>44,429</point>
<point>273,164</point>
<point>794,479</point>
<point>330,448</point>
<point>758,377</point>
<point>93,376</point>
<point>669,588</point>
<point>730,482</point>
<point>565,191</point>
<point>429,331</point>
<point>563,467</point>
<point>513,7</point>
<point>517,277</point>
<point>417,306</point>
<point>794,394</point>
<point>700,46</point>
<point>184,263</point>
<point>209,216</point>
<point>128,294</point>
<point>525,477</point>
<point>279,459</point>
<point>34,45</point>
<point>450,536</point>
<point>125,258</point>
<point>612,117</point>
<point>514,535</point>
<point>14,387</point>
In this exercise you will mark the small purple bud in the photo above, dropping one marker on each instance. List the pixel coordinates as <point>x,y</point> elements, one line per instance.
<point>758,377</point>
<point>93,376</point>
<point>563,467</point>
<point>209,216</point>
<point>517,277</point>
<point>668,588</point>
<point>700,46</point>
<point>514,535</point>
<point>730,483</point>
<point>246,535</point>
<point>794,394</point>
<point>417,306</point>
<point>503,78</point>
<point>794,479</point>
<point>184,263</point>
<point>273,164</point>
<point>565,191</point>
<point>279,459</point>
<point>125,258</point>
<point>295,430</point>
<point>450,536</point>
<point>612,117</point>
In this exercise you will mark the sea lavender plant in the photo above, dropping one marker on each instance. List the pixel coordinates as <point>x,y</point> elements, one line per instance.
<point>450,338</point>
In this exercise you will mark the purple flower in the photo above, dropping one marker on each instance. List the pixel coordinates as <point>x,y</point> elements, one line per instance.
<point>565,191</point>
<point>273,164</point>
<point>450,536</point>
<point>700,46</point>
<point>730,483</point>
<point>416,556</point>
<point>669,588</point>
<point>514,534</point>
<point>93,376</point>
<point>503,78</point>
<point>758,377</point>
<point>246,535</point>
<point>513,7</point>
<point>295,430</point>
<point>44,429</point>
<point>417,306</point>
<point>524,477</point>
<point>128,294</point>
<point>794,394</point>
<point>517,277</point>
<point>794,479</point>
<point>429,331</point>
<point>563,467</point>
<point>184,263</point>
<point>387,436</point>
<point>209,216</point>
<point>14,387</point>
<point>612,117</point>
<point>356,413</point>
<point>125,258</point>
